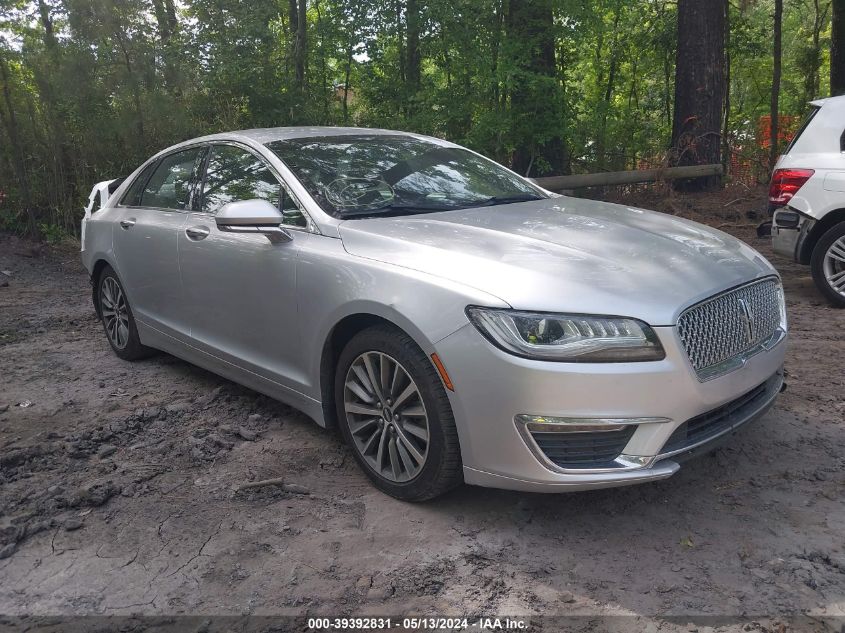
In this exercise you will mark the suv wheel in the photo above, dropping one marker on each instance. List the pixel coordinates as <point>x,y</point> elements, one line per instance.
<point>395,414</point>
<point>118,321</point>
<point>828,265</point>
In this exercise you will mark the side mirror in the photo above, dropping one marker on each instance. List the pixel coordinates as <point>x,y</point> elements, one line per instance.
<point>252,216</point>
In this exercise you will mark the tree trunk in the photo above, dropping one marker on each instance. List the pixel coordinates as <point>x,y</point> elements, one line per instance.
<point>165,15</point>
<point>814,55</point>
<point>346,78</point>
<point>10,124</point>
<point>297,32</point>
<point>837,49</point>
<point>412,46</point>
<point>400,37</point>
<point>319,43</point>
<point>293,21</point>
<point>699,89</point>
<point>161,20</point>
<point>535,93</point>
<point>601,145</point>
<point>494,55</point>
<point>301,45</point>
<point>726,121</point>
<point>170,10</point>
<point>776,74</point>
<point>47,23</point>
<point>120,36</point>
<point>61,190</point>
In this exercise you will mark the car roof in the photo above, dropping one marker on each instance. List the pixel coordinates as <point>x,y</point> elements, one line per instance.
<point>820,102</point>
<point>270,134</point>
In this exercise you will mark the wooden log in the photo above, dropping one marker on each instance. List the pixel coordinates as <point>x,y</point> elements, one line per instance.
<point>578,181</point>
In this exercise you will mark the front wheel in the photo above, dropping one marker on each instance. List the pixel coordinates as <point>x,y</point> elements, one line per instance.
<point>828,265</point>
<point>395,414</point>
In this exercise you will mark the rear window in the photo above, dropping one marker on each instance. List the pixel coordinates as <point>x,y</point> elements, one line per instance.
<point>132,197</point>
<point>810,116</point>
<point>95,204</point>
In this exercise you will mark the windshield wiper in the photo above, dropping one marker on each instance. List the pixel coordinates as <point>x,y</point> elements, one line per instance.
<point>489,202</point>
<point>413,209</point>
<point>399,209</point>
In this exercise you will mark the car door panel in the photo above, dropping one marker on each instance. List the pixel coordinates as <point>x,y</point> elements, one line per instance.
<point>145,247</point>
<point>240,288</point>
<point>240,298</point>
<point>146,239</point>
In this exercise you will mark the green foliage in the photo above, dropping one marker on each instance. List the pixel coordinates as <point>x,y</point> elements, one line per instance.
<point>90,88</point>
<point>52,233</point>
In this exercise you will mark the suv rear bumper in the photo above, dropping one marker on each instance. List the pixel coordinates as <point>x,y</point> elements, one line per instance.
<point>790,229</point>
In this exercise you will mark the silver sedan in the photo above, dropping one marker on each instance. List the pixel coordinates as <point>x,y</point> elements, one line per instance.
<point>457,322</point>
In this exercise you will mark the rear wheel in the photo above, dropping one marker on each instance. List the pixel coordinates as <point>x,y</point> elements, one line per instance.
<point>828,265</point>
<point>118,321</point>
<point>395,414</point>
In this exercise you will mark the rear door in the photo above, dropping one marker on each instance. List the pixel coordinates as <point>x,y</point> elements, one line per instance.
<point>240,288</point>
<point>150,217</point>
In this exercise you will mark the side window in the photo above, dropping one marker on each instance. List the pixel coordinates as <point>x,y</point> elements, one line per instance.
<point>171,182</point>
<point>804,125</point>
<point>132,197</point>
<point>95,203</point>
<point>234,174</point>
<point>291,214</point>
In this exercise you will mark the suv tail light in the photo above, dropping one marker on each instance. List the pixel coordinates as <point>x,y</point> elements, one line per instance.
<point>786,183</point>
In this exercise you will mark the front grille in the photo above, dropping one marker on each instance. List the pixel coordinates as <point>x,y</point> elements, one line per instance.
<point>725,327</point>
<point>713,423</point>
<point>584,450</point>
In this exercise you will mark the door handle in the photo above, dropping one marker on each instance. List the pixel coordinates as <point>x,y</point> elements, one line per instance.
<point>127,224</point>
<point>197,232</point>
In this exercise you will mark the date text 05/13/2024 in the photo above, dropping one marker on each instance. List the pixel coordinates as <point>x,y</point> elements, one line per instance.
<point>418,624</point>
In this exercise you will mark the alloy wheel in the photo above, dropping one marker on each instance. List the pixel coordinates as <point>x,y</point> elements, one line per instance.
<point>834,266</point>
<point>115,312</point>
<point>386,416</point>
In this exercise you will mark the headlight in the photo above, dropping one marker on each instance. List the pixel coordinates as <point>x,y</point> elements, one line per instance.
<point>570,338</point>
<point>784,323</point>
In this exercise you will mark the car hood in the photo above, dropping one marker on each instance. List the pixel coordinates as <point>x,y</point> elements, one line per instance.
<point>566,255</point>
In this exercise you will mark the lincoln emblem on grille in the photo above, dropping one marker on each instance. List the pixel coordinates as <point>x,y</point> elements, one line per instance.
<point>747,319</point>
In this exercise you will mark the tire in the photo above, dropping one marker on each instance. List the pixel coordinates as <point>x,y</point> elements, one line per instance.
<point>828,261</point>
<point>380,438</point>
<point>122,337</point>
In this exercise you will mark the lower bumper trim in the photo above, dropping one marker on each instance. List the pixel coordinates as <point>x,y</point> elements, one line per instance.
<point>742,416</point>
<point>663,470</point>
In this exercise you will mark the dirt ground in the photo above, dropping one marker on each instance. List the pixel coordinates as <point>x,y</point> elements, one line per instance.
<point>119,492</point>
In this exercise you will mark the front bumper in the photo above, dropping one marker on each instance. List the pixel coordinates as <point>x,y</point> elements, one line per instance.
<point>493,387</point>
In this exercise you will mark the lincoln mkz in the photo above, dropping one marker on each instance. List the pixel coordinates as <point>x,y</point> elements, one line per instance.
<point>457,322</point>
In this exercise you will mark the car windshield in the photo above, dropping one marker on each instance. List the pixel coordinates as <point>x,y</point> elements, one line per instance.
<point>366,175</point>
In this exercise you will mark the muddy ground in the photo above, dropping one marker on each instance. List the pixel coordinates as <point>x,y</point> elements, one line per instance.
<point>119,492</point>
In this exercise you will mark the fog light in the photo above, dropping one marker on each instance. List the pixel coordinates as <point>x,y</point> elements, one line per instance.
<point>553,424</point>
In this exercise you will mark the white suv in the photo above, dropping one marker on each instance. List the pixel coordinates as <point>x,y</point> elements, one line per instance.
<point>808,195</point>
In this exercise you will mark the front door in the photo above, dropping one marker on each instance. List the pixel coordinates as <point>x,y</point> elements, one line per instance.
<point>151,216</point>
<point>240,288</point>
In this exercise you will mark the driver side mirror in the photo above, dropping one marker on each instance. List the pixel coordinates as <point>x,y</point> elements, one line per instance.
<point>252,216</point>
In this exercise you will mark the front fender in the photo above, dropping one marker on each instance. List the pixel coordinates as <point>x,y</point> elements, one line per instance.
<point>333,285</point>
